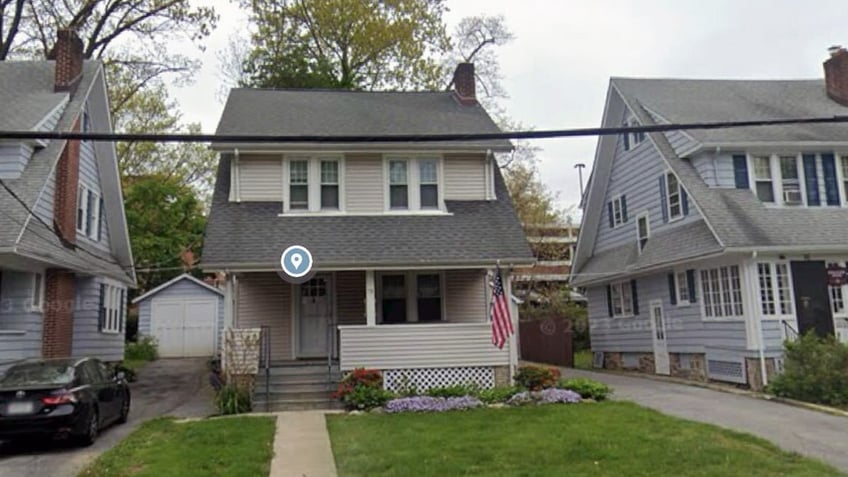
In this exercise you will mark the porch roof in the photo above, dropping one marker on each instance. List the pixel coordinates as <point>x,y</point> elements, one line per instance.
<point>244,235</point>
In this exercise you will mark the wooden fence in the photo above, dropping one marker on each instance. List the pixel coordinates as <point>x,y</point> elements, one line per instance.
<point>548,341</point>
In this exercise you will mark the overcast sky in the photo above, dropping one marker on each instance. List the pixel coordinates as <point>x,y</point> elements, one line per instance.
<point>557,69</point>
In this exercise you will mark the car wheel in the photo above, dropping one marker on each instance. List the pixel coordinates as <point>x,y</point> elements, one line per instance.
<point>125,409</point>
<point>92,428</point>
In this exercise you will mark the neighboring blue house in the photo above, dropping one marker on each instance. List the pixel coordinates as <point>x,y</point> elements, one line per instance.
<point>702,250</point>
<point>64,270</point>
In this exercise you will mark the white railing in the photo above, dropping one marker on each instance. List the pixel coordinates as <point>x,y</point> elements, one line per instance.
<point>412,346</point>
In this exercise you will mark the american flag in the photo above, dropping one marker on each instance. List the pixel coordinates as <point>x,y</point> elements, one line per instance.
<point>501,321</point>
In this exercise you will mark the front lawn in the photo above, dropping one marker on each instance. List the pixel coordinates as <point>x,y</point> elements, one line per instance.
<point>235,447</point>
<point>583,359</point>
<point>606,439</point>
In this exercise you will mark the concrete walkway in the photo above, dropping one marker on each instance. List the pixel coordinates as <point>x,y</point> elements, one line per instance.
<point>302,446</point>
<point>810,433</point>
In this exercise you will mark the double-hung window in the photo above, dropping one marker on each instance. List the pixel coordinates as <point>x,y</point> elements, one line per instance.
<point>618,211</point>
<point>643,230</point>
<point>88,212</point>
<point>429,297</point>
<point>299,184</point>
<point>398,184</point>
<point>775,293</point>
<point>721,289</point>
<point>112,308</point>
<point>329,185</point>
<point>428,179</point>
<point>790,180</point>
<point>838,295</point>
<point>763,182</point>
<point>682,287</point>
<point>843,160</point>
<point>633,139</point>
<point>393,289</point>
<point>621,299</point>
<point>674,198</point>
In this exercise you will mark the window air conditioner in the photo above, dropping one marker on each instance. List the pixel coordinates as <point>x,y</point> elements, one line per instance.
<point>792,197</point>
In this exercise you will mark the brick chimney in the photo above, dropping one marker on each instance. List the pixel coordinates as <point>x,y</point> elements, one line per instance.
<point>68,56</point>
<point>464,83</point>
<point>67,182</point>
<point>58,330</point>
<point>836,75</point>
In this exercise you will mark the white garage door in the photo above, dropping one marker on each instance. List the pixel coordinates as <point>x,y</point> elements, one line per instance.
<point>184,328</point>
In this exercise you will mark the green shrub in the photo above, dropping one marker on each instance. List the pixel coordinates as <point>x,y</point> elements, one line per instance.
<point>233,399</point>
<point>457,390</point>
<point>535,378</point>
<point>498,394</point>
<point>145,349</point>
<point>815,370</point>
<point>586,388</point>
<point>365,397</point>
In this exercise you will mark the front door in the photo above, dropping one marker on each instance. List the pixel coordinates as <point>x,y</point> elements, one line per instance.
<point>661,361</point>
<point>812,304</point>
<point>314,317</point>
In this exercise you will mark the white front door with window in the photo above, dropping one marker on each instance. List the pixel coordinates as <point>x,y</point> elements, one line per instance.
<point>661,360</point>
<point>315,315</point>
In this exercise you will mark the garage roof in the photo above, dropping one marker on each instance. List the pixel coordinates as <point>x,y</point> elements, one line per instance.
<point>166,285</point>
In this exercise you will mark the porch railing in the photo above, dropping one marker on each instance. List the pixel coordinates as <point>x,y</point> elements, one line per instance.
<point>789,332</point>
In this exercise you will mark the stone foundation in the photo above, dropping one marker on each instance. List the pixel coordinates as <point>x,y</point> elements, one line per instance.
<point>613,361</point>
<point>502,376</point>
<point>646,364</point>
<point>755,379</point>
<point>697,370</point>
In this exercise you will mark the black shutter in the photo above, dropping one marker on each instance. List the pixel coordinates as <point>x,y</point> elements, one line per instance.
<point>811,179</point>
<point>684,201</point>
<point>831,186</point>
<point>122,310</point>
<point>690,282</point>
<point>672,290</point>
<point>663,199</point>
<point>100,220</point>
<point>624,209</point>
<point>609,299</point>
<point>635,297</point>
<point>740,171</point>
<point>101,310</point>
<point>609,209</point>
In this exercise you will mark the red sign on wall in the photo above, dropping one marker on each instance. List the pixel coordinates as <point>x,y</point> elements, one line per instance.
<point>836,275</point>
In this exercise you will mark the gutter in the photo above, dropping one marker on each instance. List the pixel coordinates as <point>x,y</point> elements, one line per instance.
<point>613,276</point>
<point>293,148</point>
<point>352,266</point>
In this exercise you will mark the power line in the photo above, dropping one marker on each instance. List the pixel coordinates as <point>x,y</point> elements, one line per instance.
<point>398,138</point>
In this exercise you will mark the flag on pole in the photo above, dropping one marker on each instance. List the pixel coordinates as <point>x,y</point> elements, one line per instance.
<point>501,321</point>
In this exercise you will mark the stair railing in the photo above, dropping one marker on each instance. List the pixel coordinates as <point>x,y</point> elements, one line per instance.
<point>789,333</point>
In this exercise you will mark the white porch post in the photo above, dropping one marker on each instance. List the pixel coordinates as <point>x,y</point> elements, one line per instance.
<point>513,315</point>
<point>370,299</point>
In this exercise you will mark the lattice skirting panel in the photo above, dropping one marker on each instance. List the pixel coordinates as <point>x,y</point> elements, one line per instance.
<point>727,370</point>
<point>426,378</point>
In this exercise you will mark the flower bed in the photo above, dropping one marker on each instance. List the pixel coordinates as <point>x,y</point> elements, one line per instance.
<point>432,404</point>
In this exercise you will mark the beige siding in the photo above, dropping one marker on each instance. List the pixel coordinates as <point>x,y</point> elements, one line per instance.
<point>350,298</point>
<point>465,296</point>
<point>420,346</point>
<point>261,178</point>
<point>265,299</point>
<point>364,183</point>
<point>465,177</point>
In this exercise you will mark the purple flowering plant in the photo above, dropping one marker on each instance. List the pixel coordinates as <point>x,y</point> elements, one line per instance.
<point>432,404</point>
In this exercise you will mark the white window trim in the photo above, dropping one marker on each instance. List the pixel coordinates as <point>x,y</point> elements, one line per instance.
<point>632,136</point>
<point>677,287</point>
<point>616,201</point>
<point>777,178</point>
<point>672,218</point>
<point>313,185</point>
<point>95,228</point>
<point>840,176</point>
<point>36,303</point>
<point>742,291</point>
<point>115,314</point>
<point>646,215</point>
<point>622,285</point>
<point>411,286</point>
<point>413,183</point>
<point>82,203</point>
<point>772,264</point>
<point>844,313</point>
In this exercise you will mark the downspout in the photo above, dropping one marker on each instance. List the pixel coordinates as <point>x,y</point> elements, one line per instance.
<point>236,182</point>
<point>762,339</point>
<point>715,163</point>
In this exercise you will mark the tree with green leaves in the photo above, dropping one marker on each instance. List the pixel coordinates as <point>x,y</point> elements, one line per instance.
<point>367,44</point>
<point>165,220</point>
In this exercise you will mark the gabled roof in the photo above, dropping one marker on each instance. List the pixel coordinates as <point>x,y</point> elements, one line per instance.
<point>21,233</point>
<point>174,281</point>
<point>26,93</point>
<point>316,112</point>
<point>251,235</point>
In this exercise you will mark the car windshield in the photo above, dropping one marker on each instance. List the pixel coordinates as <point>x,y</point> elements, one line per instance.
<point>38,374</point>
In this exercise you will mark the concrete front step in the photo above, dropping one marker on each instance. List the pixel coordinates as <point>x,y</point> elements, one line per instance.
<point>299,370</point>
<point>296,405</point>
<point>299,378</point>
<point>289,394</point>
<point>284,388</point>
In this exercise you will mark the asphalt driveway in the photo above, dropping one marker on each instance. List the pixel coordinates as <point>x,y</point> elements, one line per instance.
<point>810,433</point>
<point>175,387</point>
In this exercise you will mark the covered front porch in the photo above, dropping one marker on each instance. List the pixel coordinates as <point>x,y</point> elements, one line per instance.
<point>427,327</point>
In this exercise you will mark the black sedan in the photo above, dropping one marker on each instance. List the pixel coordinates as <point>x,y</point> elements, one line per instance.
<point>61,398</point>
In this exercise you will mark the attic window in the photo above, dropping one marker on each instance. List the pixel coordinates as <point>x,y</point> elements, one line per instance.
<point>675,204</point>
<point>633,139</point>
<point>643,231</point>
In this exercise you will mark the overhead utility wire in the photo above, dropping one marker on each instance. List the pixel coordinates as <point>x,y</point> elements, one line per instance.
<point>354,138</point>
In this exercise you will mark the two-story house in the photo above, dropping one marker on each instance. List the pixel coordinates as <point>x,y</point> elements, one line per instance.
<point>702,250</point>
<point>65,259</point>
<point>405,236</point>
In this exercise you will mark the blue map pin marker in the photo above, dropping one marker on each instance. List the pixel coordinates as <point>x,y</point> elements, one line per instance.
<point>296,261</point>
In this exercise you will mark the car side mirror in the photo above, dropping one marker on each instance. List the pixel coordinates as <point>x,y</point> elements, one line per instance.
<point>120,376</point>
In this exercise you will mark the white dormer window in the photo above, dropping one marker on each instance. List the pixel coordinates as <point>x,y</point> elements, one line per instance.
<point>398,184</point>
<point>428,178</point>
<point>763,182</point>
<point>313,184</point>
<point>88,212</point>
<point>790,180</point>
<point>329,185</point>
<point>299,184</point>
<point>414,183</point>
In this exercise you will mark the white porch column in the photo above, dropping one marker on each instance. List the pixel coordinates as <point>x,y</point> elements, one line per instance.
<point>229,301</point>
<point>513,315</point>
<point>370,299</point>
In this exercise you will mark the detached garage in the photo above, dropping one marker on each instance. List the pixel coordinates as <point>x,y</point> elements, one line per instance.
<point>185,316</point>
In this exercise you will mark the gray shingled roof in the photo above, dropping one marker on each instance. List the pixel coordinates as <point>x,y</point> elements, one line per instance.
<point>689,100</point>
<point>293,112</point>
<point>249,234</point>
<point>35,79</point>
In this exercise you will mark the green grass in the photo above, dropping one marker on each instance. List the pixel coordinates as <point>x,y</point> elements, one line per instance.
<point>583,359</point>
<point>605,439</point>
<point>237,447</point>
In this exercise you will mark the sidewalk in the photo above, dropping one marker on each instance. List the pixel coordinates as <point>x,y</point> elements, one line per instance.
<point>302,446</point>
